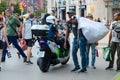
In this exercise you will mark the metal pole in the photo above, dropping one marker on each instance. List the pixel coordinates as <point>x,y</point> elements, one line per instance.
<point>59,9</point>
<point>80,7</point>
<point>33,6</point>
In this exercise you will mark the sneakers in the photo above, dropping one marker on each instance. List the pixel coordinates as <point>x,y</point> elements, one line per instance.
<point>75,69</point>
<point>29,62</point>
<point>25,59</point>
<point>3,60</point>
<point>93,67</point>
<point>82,70</point>
<point>108,68</point>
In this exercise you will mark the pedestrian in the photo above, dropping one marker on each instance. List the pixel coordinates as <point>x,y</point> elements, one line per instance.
<point>27,35</point>
<point>11,24</point>
<point>98,20</point>
<point>92,45</point>
<point>2,37</point>
<point>74,27</point>
<point>114,42</point>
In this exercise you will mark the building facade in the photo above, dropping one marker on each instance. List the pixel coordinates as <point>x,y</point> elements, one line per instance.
<point>60,7</point>
<point>99,8</point>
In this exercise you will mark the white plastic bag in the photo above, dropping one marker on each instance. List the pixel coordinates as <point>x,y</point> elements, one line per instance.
<point>93,31</point>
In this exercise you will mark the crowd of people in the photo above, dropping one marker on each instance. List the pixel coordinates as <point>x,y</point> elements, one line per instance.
<point>81,41</point>
<point>14,26</point>
<point>13,29</point>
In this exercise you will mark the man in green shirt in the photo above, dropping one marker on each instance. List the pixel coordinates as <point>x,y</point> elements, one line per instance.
<point>11,25</point>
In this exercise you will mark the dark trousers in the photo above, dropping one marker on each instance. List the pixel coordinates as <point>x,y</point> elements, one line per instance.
<point>13,40</point>
<point>115,46</point>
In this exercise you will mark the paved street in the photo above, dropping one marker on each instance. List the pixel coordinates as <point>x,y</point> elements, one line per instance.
<point>15,69</point>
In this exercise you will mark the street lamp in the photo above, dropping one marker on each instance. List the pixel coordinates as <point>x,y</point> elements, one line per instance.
<point>116,2</point>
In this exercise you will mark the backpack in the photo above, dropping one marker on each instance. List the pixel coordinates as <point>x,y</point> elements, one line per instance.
<point>116,28</point>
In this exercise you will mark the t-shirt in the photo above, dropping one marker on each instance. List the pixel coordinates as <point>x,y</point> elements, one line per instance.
<point>14,22</point>
<point>27,28</point>
<point>114,34</point>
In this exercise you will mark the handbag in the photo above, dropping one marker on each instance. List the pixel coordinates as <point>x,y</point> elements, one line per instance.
<point>23,44</point>
<point>19,34</point>
<point>96,52</point>
<point>107,53</point>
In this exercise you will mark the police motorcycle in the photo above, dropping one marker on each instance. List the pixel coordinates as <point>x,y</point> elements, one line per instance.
<point>50,53</point>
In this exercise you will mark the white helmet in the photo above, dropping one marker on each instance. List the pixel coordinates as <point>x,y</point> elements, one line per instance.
<point>51,19</point>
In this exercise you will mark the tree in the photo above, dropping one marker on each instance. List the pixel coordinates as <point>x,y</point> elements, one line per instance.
<point>17,10</point>
<point>3,6</point>
<point>38,12</point>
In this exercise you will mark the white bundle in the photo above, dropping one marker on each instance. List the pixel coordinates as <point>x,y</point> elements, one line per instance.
<point>93,31</point>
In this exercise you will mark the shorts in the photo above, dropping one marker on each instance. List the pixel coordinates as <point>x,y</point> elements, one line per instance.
<point>1,44</point>
<point>29,42</point>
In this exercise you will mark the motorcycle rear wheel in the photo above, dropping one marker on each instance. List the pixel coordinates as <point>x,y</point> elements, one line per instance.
<point>63,63</point>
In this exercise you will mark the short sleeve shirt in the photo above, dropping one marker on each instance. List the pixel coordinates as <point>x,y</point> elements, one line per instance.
<point>114,34</point>
<point>14,22</point>
<point>27,28</point>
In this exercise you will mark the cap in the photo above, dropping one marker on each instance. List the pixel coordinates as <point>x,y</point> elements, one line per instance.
<point>71,12</point>
<point>10,11</point>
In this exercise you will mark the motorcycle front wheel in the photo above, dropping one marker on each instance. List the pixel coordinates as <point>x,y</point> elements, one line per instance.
<point>43,64</point>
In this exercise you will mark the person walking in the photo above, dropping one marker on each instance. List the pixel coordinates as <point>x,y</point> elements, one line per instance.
<point>92,45</point>
<point>114,42</point>
<point>74,27</point>
<point>2,37</point>
<point>11,23</point>
<point>27,36</point>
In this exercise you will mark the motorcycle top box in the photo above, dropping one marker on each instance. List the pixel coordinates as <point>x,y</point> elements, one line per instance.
<point>40,30</point>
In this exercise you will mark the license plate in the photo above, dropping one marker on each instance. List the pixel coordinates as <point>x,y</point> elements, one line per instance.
<point>40,53</point>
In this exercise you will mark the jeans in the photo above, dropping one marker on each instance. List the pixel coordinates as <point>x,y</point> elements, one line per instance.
<point>83,43</point>
<point>92,45</point>
<point>4,52</point>
<point>74,52</point>
<point>13,40</point>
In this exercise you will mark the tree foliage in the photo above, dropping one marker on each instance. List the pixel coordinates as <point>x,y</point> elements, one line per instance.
<point>3,6</point>
<point>38,12</point>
